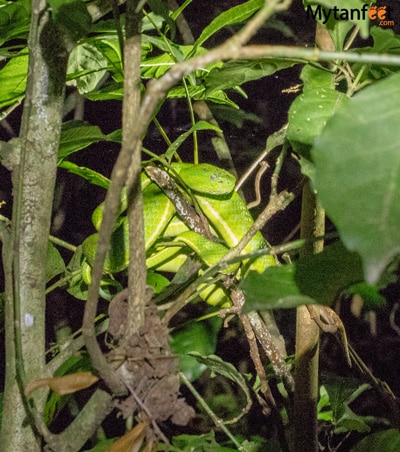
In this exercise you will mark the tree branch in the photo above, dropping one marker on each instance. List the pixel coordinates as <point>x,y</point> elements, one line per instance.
<point>33,194</point>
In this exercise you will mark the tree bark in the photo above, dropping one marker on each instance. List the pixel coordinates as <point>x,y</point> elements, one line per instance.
<point>34,181</point>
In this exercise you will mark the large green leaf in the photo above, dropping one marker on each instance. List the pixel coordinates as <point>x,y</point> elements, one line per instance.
<point>357,174</point>
<point>320,278</point>
<point>387,440</point>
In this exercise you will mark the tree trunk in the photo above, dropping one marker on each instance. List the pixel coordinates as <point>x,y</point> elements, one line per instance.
<point>33,180</point>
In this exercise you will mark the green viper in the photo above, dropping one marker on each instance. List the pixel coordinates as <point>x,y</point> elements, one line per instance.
<point>169,241</point>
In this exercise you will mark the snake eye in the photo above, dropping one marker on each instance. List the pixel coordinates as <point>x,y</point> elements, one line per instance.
<point>215,178</point>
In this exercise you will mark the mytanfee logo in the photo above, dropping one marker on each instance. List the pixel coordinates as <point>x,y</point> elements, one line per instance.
<point>379,15</point>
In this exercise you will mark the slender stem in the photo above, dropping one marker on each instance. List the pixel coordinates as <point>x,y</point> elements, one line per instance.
<point>130,111</point>
<point>217,421</point>
<point>307,336</point>
<point>307,330</point>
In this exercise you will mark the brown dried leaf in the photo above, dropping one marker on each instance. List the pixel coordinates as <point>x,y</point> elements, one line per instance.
<point>134,438</point>
<point>67,384</point>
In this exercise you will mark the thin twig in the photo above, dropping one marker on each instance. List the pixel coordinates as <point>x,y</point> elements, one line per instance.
<point>217,421</point>
<point>257,182</point>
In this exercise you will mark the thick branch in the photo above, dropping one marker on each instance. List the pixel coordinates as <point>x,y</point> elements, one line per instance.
<point>33,190</point>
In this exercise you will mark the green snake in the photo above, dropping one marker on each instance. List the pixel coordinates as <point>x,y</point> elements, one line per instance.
<point>169,241</point>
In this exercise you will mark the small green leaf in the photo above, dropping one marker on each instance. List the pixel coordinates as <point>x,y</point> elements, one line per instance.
<point>201,125</point>
<point>112,91</point>
<point>54,262</point>
<point>90,175</point>
<point>197,443</point>
<point>385,41</point>
<point>156,281</point>
<point>76,285</point>
<point>13,79</point>
<point>357,174</point>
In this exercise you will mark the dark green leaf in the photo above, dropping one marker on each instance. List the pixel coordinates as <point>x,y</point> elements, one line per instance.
<point>388,441</point>
<point>234,15</point>
<point>73,17</point>
<point>234,116</point>
<point>160,8</point>
<point>55,402</point>
<point>340,390</point>
<point>235,73</point>
<point>77,135</point>
<point>276,288</point>
<point>357,164</point>
<point>320,278</point>
<point>325,275</point>
<point>14,21</point>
